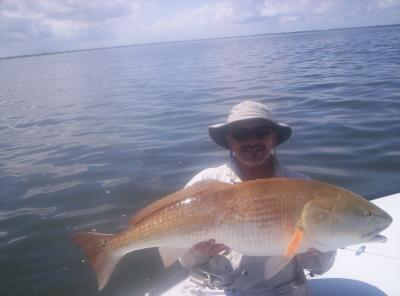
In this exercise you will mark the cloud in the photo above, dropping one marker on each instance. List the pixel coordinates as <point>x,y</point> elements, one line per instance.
<point>388,3</point>
<point>64,18</point>
<point>46,25</point>
<point>83,11</point>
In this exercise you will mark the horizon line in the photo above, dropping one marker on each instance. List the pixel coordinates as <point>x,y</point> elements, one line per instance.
<point>187,40</point>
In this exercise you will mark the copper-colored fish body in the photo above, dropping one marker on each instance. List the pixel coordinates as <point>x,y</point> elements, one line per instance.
<point>256,218</point>
<point>250,211</point>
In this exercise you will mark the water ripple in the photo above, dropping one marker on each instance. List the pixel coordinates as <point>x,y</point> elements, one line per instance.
<point>50,189</point>
<point>6,215</point>
<point>85,212</point>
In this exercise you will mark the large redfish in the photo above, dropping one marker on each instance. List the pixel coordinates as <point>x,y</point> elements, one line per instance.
<point>267,217</point>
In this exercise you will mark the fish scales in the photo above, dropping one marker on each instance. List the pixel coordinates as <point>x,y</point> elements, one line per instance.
<point>272,213</point>
<point>227,215</point>
<point>188,219</point>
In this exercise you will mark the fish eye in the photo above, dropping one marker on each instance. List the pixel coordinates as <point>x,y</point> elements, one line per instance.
<point>368,214</point>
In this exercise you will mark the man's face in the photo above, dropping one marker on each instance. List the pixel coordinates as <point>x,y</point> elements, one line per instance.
<point>251,141</point>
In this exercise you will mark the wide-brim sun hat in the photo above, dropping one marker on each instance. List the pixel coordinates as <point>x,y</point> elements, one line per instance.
<point>244,111</point>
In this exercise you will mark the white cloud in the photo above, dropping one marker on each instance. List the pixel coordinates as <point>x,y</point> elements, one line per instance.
<point>388,3</point>
<point>289,19</point>
<point>44,25</point>
<point>28,26</point>
<point>63,28</point>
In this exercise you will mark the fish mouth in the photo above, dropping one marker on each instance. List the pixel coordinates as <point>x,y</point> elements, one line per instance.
<point>374,237</point>
<point>383,221</point>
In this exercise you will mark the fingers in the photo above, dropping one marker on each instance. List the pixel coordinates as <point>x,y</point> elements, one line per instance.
<point>313,252</point>
<point>209,248</point>
<point>204,245</point>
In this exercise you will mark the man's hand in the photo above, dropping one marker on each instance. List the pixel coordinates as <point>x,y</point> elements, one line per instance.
<point>209,248</point>
<point>313,252</point>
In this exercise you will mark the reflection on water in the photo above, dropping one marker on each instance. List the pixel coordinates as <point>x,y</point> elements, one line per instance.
<point>88,138</point>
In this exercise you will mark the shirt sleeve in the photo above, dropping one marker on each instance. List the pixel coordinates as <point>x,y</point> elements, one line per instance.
<point>199,177</point>
<point>221,173</point>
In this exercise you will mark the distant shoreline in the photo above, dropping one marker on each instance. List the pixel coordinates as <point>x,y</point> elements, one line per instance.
<point>189,40</point>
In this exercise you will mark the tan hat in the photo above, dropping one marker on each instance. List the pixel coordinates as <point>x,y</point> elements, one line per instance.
<point>245,111</point>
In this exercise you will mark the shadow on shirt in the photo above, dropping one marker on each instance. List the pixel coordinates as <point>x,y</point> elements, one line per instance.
<point>342,287</point>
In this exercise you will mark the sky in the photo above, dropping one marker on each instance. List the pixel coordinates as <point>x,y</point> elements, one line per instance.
<point>44,26</point>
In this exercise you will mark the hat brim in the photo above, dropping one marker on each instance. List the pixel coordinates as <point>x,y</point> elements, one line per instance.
<point>218,132</point>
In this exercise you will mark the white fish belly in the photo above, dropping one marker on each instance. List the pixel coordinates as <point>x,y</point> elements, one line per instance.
<point>252,240</point>
<point>247,238</point>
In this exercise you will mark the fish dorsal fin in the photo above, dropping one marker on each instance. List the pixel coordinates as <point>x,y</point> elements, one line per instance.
<point>195,189</point>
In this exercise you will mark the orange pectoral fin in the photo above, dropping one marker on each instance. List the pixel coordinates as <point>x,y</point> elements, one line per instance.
<point>294,243</point>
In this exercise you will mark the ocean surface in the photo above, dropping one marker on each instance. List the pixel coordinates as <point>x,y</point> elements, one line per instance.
<point>90,137</point>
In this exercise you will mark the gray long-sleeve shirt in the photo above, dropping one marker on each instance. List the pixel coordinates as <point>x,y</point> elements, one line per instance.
<point>244,275</point>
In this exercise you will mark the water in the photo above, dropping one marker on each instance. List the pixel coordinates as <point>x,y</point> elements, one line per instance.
<point>88,138</point>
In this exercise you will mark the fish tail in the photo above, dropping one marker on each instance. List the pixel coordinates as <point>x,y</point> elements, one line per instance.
<point>99,253</point>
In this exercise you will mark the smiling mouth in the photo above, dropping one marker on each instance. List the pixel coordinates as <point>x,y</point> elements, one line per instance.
<point>253,148</point>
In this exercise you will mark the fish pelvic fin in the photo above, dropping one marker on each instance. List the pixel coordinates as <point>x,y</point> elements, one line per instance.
<point>295,242</point>
<point>170,255</point>
<point>274,265</point>
<point>97,250</point>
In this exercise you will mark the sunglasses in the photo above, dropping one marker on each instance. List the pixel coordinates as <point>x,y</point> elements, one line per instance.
<point>243,134</point>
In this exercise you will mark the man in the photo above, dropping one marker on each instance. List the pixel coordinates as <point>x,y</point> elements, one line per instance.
<point>250,134</point>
